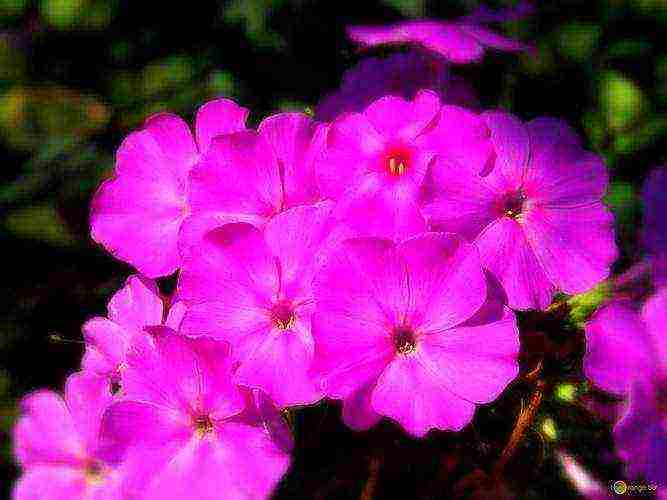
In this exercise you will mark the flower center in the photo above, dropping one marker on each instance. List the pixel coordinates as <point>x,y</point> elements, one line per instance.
<point>404,340</point>
<point>203,425</point>
<point>283,316</point>
<point>94,473</point>
<point>513,204</point>
<point>397,165</point>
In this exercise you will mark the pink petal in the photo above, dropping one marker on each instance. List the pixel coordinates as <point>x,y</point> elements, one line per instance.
<point>412,392</point>
<point>478,361</point>
<point>52,482</point>
<point>134,424</point>
<point>185,374</point>
<point>87,397</point>
<point>512,145</point>
<point>137,304</point>
<point>617,348</point>
<point>462,204</point>
<point>217,117</point>
<point>279,366</point>
<point>460,136</point>
<point>106,344</point>
<point>352,144</point>
<point>450,41</point>
<point>358,414</point>
<point>137,220</point>
<point>654,314</point>
<point>301,238</point>
<point>242,462</point>
<point>399,118</point>
<point>236,179</point>
<point>45,432</point>
<point>489,38</point>
<point>576,246</point>
<point>446,282</point>
<point>177,146</point>
<point>504,250</point>
<point>298,141</point>
<point>177,311</point>
<point>232,263</point>
<point>356,291</point>
<point>262,412</point>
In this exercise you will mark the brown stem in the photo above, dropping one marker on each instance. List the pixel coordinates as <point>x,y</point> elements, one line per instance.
<point>373,473</point>
<point>522,424</point>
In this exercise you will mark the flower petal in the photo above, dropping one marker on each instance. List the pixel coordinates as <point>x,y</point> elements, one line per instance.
<point>412,392</point>
<point>504,250</point>
<point>217,117</point>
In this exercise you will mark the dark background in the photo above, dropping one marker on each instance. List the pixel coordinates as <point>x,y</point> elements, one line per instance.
<point>77,75</point>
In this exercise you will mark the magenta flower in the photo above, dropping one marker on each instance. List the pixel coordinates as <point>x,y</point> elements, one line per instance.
<point>56,444</point>
<point>251,176</point>
<point>537,218</point>
<point>460,41</point>
<point>375,163</point>
<point>253,290</point>
<point>409,331</point>
<point>184,430</point>
<point>401,75</point>
<point>618,348</point>
<point>654,196</point>
<point>627,354</point>
<point>135,306</point>
<point>136,215</point>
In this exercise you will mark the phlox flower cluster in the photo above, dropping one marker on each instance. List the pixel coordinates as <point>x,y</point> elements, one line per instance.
<point>373,254</point>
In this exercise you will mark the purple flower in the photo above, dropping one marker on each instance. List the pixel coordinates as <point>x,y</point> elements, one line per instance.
<point>252,176</point>
<point>401,75</point>
<point>136,215</point>
<point>56,444</point>
<point>375,163</point>
<point>460,41</point>
<point>618,348</point>
<point>184,430</point>
<point>654,195</point>
<point>537,217</point>
<point>626,354</point>
<point>411,331</point>
<point>253,290</point>
<point>135,306</point>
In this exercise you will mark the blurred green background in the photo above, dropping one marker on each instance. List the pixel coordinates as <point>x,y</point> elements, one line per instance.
<point>77,75</point>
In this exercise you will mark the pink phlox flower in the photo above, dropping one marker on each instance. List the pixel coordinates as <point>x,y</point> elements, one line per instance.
<point>131,309</point>
<point>253,290</point>
<point>136,215</point>
<point>411,331</point>
<point>184,430</point>
<point>461,41</point>
<point>56,444</point>
<point>537,216</point>
<point>375,164</point>
<point>252,176</point>
<point>401,75</point>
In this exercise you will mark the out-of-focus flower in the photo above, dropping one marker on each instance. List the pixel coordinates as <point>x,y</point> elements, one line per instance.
<point>57,444</point>
<point>252,176</point>
<point>582,480</point>
<point>135,306</point>
<point>375,163</point>
<point>253,290</point>
<point>409,331</point>
<point>627,354</point>
<point>654,196</point>
<point>137,214</point>
<point>184,430</point>
<point>461,41</point>
<point>401,75</point>
<point>537,217</point>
